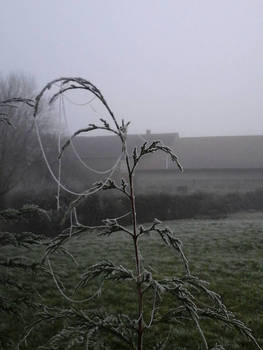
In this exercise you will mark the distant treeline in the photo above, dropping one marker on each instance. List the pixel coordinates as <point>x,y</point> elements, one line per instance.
<point>95,208</point>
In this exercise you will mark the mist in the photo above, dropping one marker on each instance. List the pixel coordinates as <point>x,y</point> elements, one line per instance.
<point>190,67</point>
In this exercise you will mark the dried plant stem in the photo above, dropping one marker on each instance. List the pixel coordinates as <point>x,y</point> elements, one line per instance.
<point>137,259</point>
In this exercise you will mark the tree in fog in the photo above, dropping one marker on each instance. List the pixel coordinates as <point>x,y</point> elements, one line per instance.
<point>19,150</point>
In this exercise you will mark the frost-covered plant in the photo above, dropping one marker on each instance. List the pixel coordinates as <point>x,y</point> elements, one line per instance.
<point>17,295</point>
<point>11,103</point>
<point>89,328</point>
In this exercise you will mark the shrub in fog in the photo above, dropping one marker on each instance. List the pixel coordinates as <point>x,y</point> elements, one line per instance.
<point>191,300</point>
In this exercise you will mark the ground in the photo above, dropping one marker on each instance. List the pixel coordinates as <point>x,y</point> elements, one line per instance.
<point>225,252</point>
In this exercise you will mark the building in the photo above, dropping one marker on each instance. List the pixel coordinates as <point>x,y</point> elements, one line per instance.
<point>220,164</point>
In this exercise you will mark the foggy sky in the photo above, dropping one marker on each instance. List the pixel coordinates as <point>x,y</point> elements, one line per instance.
<point>193,67</point>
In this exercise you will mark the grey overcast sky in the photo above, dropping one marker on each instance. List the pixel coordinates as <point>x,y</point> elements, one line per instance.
<point>188,66</point>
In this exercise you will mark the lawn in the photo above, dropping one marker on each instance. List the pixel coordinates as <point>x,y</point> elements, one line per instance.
<point>225,252</point>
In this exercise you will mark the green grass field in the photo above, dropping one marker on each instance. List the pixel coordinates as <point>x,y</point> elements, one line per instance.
<point>225,252</point>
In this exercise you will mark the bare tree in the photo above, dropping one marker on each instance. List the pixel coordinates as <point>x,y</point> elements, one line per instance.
<point>18,143</point>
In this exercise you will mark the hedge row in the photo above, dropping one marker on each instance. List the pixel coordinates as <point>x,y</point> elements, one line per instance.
<point>162,206</point>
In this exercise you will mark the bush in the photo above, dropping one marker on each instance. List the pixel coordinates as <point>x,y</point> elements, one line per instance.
<point>97,207</point>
